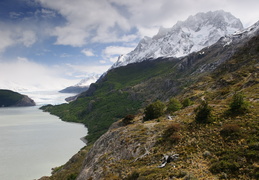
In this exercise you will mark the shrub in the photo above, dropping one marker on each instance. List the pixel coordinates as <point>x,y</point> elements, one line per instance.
<point>186,102</point>
<point>72,177</point>
<point>238,105</point>
<point>154,110</point>
<point>174,105</point>
<point>230,130</point>
<point>203,113</point>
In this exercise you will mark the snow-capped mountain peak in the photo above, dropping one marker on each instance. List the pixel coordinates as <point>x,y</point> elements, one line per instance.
<point>185,37</point>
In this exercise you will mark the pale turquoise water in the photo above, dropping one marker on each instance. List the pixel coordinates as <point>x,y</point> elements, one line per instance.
<point>32,142</point>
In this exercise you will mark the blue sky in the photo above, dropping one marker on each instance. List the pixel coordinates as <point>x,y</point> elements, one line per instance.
<point>60,42</point>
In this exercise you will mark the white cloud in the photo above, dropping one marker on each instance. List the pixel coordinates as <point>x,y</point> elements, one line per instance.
<point>24,75</point>
<point>12,35</point>
<point>88,52</point>
<point>85,20</point>
<point>113,59</point>
<point>88,69</point>
<point>105,21</point>
<point>102,61</point>
<point>27,38</point>
<point>116,50</point>
<point>112,52</point>
<point>6,40</point>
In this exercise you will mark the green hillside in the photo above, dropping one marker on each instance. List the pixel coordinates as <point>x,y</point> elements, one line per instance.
<point>14,99</point>
<point>9,98</point>
<point>127,89</point>
<point>214,131</point>
<point>112,98</point>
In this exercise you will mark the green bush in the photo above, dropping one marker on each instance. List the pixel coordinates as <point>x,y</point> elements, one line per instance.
<point>238,105</point>
<point>72,177</point>
<point>154,110</point>
<point>174,105</point>
<point>186,102</point>
<point>203,113</point>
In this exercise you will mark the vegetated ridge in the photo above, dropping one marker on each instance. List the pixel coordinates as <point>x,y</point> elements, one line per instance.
<point>10,98</point>
<point>214,135</point>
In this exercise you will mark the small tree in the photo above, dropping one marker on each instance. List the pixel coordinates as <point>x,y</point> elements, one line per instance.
<point>174,105</point>
<point>238,104</point>
<point>203,113</point>
<point>154,110</point>
<point>186,102</point>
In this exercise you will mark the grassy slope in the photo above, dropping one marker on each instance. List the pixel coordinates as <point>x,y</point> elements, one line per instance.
<point>234,156</point>
<point>205,152</point>
<point>9,98</point>
<point>113,98</point>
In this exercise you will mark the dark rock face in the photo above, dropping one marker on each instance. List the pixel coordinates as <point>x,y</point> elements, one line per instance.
<point>25,101</point>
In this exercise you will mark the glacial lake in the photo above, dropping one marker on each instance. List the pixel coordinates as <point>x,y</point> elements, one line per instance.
<point>32,142</point>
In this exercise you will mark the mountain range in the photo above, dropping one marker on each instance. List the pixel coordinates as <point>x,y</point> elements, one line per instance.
<point>209,60</point>
<point>185,37</point>
<point>82,86</point>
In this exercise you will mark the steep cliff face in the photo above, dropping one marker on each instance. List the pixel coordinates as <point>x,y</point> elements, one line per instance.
<point>118,144</point>
<point>25,101</point>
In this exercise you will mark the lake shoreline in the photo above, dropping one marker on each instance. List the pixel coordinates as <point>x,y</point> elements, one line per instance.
<point>60,140</point>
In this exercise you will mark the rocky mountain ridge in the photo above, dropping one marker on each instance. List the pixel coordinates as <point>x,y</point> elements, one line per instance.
<point>185,37</point>
<point>227,148</point>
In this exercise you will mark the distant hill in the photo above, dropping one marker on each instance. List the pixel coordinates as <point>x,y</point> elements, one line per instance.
<point>74,89</point>
<point>82,86</point>
<point>10,98</point>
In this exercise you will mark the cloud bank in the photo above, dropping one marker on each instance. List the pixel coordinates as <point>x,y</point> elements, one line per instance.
<point>22,74</point>
<point>116,21</point>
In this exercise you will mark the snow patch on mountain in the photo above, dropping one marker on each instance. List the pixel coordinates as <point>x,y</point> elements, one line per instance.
<point>185,37</point>
<point>241,35</point>
<point>82,86</point>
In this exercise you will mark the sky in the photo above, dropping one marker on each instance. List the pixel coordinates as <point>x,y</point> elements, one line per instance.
<point>55,43</point>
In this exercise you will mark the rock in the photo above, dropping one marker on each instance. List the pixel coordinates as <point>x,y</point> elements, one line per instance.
<point>25,101</point>
<point>207,154</point>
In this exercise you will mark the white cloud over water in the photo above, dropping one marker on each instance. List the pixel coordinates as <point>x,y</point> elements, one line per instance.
<point>24,75</point>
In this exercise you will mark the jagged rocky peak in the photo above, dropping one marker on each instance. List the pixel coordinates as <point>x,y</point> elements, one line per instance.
<point>185,37</point>
<point>218,19</point>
